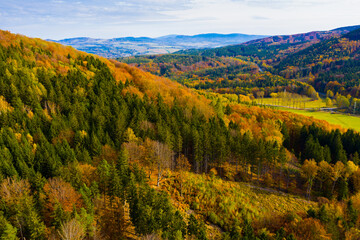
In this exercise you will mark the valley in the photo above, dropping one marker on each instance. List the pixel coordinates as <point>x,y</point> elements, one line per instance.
<point>183,145</point>
<point>130,46</point>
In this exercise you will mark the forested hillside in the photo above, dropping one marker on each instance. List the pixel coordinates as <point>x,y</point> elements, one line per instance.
<point>97,149</point>
<point>333,63</point>
<point>242,69</point>
<point>271,48</point>
<point>240,75</point>
<point>302,64</point>
<point>327,61</point>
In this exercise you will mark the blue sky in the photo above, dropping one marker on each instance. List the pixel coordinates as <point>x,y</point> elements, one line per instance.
<point>57,19</point>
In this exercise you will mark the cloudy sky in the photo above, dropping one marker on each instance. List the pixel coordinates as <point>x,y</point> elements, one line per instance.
<point>57,19</point>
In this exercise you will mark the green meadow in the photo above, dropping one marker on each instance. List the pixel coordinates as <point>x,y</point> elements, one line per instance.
<point>344,120</point>
<point>300,102</point>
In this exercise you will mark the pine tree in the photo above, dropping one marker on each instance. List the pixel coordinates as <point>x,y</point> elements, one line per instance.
<point>286,137</point>
<point>58,215</point>
<point>7,231</point>
<point>115,185</point>
<point>193,226</point>
<point>356,158</point>
<point>343,189</point>
<point>35,226</point>
<point>338,150</point>
<point>327,154</point>
<point>122,164</point>
<point>196,229</point>
<point>197,153</point>
<point>248,231</point>
<point>104,177</point>
<point>95,145</point>
<point>352,215</point>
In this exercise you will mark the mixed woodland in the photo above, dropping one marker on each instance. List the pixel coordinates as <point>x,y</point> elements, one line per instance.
<point>92,148</point>
<point>316,64</point>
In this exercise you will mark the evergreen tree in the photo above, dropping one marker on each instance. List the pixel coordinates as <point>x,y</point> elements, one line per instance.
<point>339,153</point>
<point>286,137</point>
<point>248,231</point>
<point>343,189</point>
<point>35,226</point>
<point>352,215</point>
<point>7,231</point>
<point>104,171</point>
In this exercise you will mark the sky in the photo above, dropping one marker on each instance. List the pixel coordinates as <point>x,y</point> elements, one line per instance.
<point>59,19</point>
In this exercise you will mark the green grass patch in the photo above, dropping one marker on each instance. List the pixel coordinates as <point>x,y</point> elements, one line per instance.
<point>344,120</point>
<point>300,102</point>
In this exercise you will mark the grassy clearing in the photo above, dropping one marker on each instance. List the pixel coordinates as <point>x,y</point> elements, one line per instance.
<point>300,102</point>
<point>225,202</point>
<point>343,120</point>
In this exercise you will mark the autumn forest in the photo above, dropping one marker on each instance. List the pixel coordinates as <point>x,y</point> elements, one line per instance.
<point>175,146</point>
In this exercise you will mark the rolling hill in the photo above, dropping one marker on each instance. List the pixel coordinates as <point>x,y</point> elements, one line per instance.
<point>129,46</point>
<point>98,149</point>
<point>326,60</point>
<point>334,64</point>
<point>274,47</point>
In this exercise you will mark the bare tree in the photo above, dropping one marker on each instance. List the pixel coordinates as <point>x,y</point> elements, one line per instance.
<point>71,230</point>
<point>163,158</point>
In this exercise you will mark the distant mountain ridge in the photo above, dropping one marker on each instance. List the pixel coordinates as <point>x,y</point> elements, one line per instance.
<point>296,38</point>
<point>130,46</point>
<point>207,44</point>
<point>304,37</point>
<point>273,47</point>
<point>353,35</point>
<point>348,28</point>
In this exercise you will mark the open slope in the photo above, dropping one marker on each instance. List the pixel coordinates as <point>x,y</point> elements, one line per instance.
<point>344,120</point>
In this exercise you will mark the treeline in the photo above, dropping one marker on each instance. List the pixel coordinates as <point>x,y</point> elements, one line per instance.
<point>320,144</point>
<point>332,157</point>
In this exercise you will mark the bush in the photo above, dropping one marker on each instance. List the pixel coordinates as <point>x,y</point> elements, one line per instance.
<point>213,218</point>
<point>195,206</point>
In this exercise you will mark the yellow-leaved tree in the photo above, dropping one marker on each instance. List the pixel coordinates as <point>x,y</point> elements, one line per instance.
<point>309,170</point>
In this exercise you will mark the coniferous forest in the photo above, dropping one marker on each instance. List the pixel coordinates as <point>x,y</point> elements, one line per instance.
<point>92,148</point>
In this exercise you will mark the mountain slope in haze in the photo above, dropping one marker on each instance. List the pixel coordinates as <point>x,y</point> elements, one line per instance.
<point>347,28</point>
<point>353,35</point>
<point>302,37</point>
<point>271,48</point>
<point>129,46</point>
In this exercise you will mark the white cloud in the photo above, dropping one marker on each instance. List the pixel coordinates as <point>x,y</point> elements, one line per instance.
<point>115,18</point>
